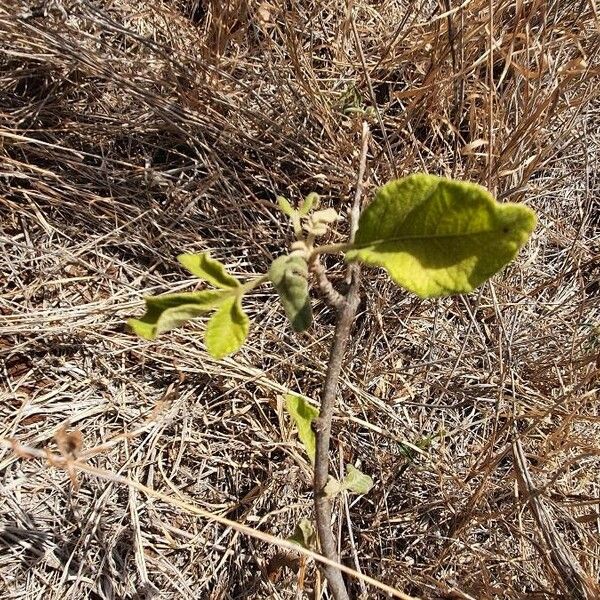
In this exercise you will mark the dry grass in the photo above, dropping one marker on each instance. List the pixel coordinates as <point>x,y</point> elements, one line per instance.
<point>132,130</point>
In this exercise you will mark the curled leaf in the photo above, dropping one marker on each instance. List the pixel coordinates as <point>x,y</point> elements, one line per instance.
<point>310,202</point>
<point>208,269</point>
<point>227,329</point>
<point>437,237</point>
<point>327,215</point>
<point>172,310</point>
<point>303,415</point>
<point>354,481</point>
<point>289,275</point>
<point>318,223</point>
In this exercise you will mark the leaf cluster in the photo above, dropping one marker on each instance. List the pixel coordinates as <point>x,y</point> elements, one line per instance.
<point>433,236</point>
<point>227,328</point>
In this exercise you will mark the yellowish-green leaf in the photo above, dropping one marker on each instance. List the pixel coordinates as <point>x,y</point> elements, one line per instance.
<point>172,310</point>
<point>437,237</point>
<point>356,481</point>
<point>303,415</point>
<point>285,207</point>
<point>309,203</point>
<point>208,269</point>
<point>305,535</point>
<point>227,329</point>
<point>327,215</point>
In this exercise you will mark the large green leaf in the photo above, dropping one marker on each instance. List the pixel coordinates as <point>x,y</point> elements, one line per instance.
<point>227,329</point>
<point>303,415</point>
<point>289,276</point>
<point>172,310</point>
<point>208,269</point>
<point>437,237</point>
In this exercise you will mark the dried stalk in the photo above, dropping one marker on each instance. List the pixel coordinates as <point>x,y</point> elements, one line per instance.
<point>574,581</point>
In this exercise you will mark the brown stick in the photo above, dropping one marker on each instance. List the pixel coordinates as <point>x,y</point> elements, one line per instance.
<point>346,311</point>
<point>331,295</point>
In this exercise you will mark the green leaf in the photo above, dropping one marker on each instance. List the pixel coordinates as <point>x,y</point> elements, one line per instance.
<point>304,535</point>
<point>227,329</point>
<point>208,269</point>
<point>285,207</point>
<point>289,275</point>
<point>356,481</point>
<point>303,415</point>
<point>437,237</point>
<point>172,310</point>
<point>311,201</point>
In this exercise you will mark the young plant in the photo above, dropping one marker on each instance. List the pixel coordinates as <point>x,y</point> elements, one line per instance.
<point>434,237</point>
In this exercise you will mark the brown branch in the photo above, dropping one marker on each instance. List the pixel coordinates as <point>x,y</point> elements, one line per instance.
<point>345,318</point>
<point>331,295</point>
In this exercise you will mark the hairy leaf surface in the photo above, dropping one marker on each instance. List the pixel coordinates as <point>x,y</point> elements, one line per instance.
<point>227,329</point>
<point>311,201</point>
<point>172,310</point>
<point>437,237</point>
<point>289,276</point>
<point>284,206</point>
<point>208,269</point>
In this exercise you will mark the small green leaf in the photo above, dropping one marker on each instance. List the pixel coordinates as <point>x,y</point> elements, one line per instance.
<point>303,415</point>
<point>208,269</point>
<point>172,310</point>
<point>437,237</point>
<point>304,535</point>
<point>333,487</point>
<point>227,329</point>
<point>311,201</point>
<point>289,275</point>
<point>356,482</point>
<point>285,207</point>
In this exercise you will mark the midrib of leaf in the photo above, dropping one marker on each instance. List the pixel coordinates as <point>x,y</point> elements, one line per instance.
<point>357,246</point>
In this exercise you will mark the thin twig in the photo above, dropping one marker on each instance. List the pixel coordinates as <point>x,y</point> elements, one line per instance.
<point>360,183</point>
<point>363,63</point>
<point>345,319</point>
<point>80,466</point>
<point>576,583</point>
<point>331,295</point>
<point>363,587</point>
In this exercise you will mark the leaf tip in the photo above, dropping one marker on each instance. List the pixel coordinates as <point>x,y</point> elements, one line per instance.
<point>142,329</point>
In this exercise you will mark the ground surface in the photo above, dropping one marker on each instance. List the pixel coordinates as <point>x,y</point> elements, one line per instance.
<point>134,130</point>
